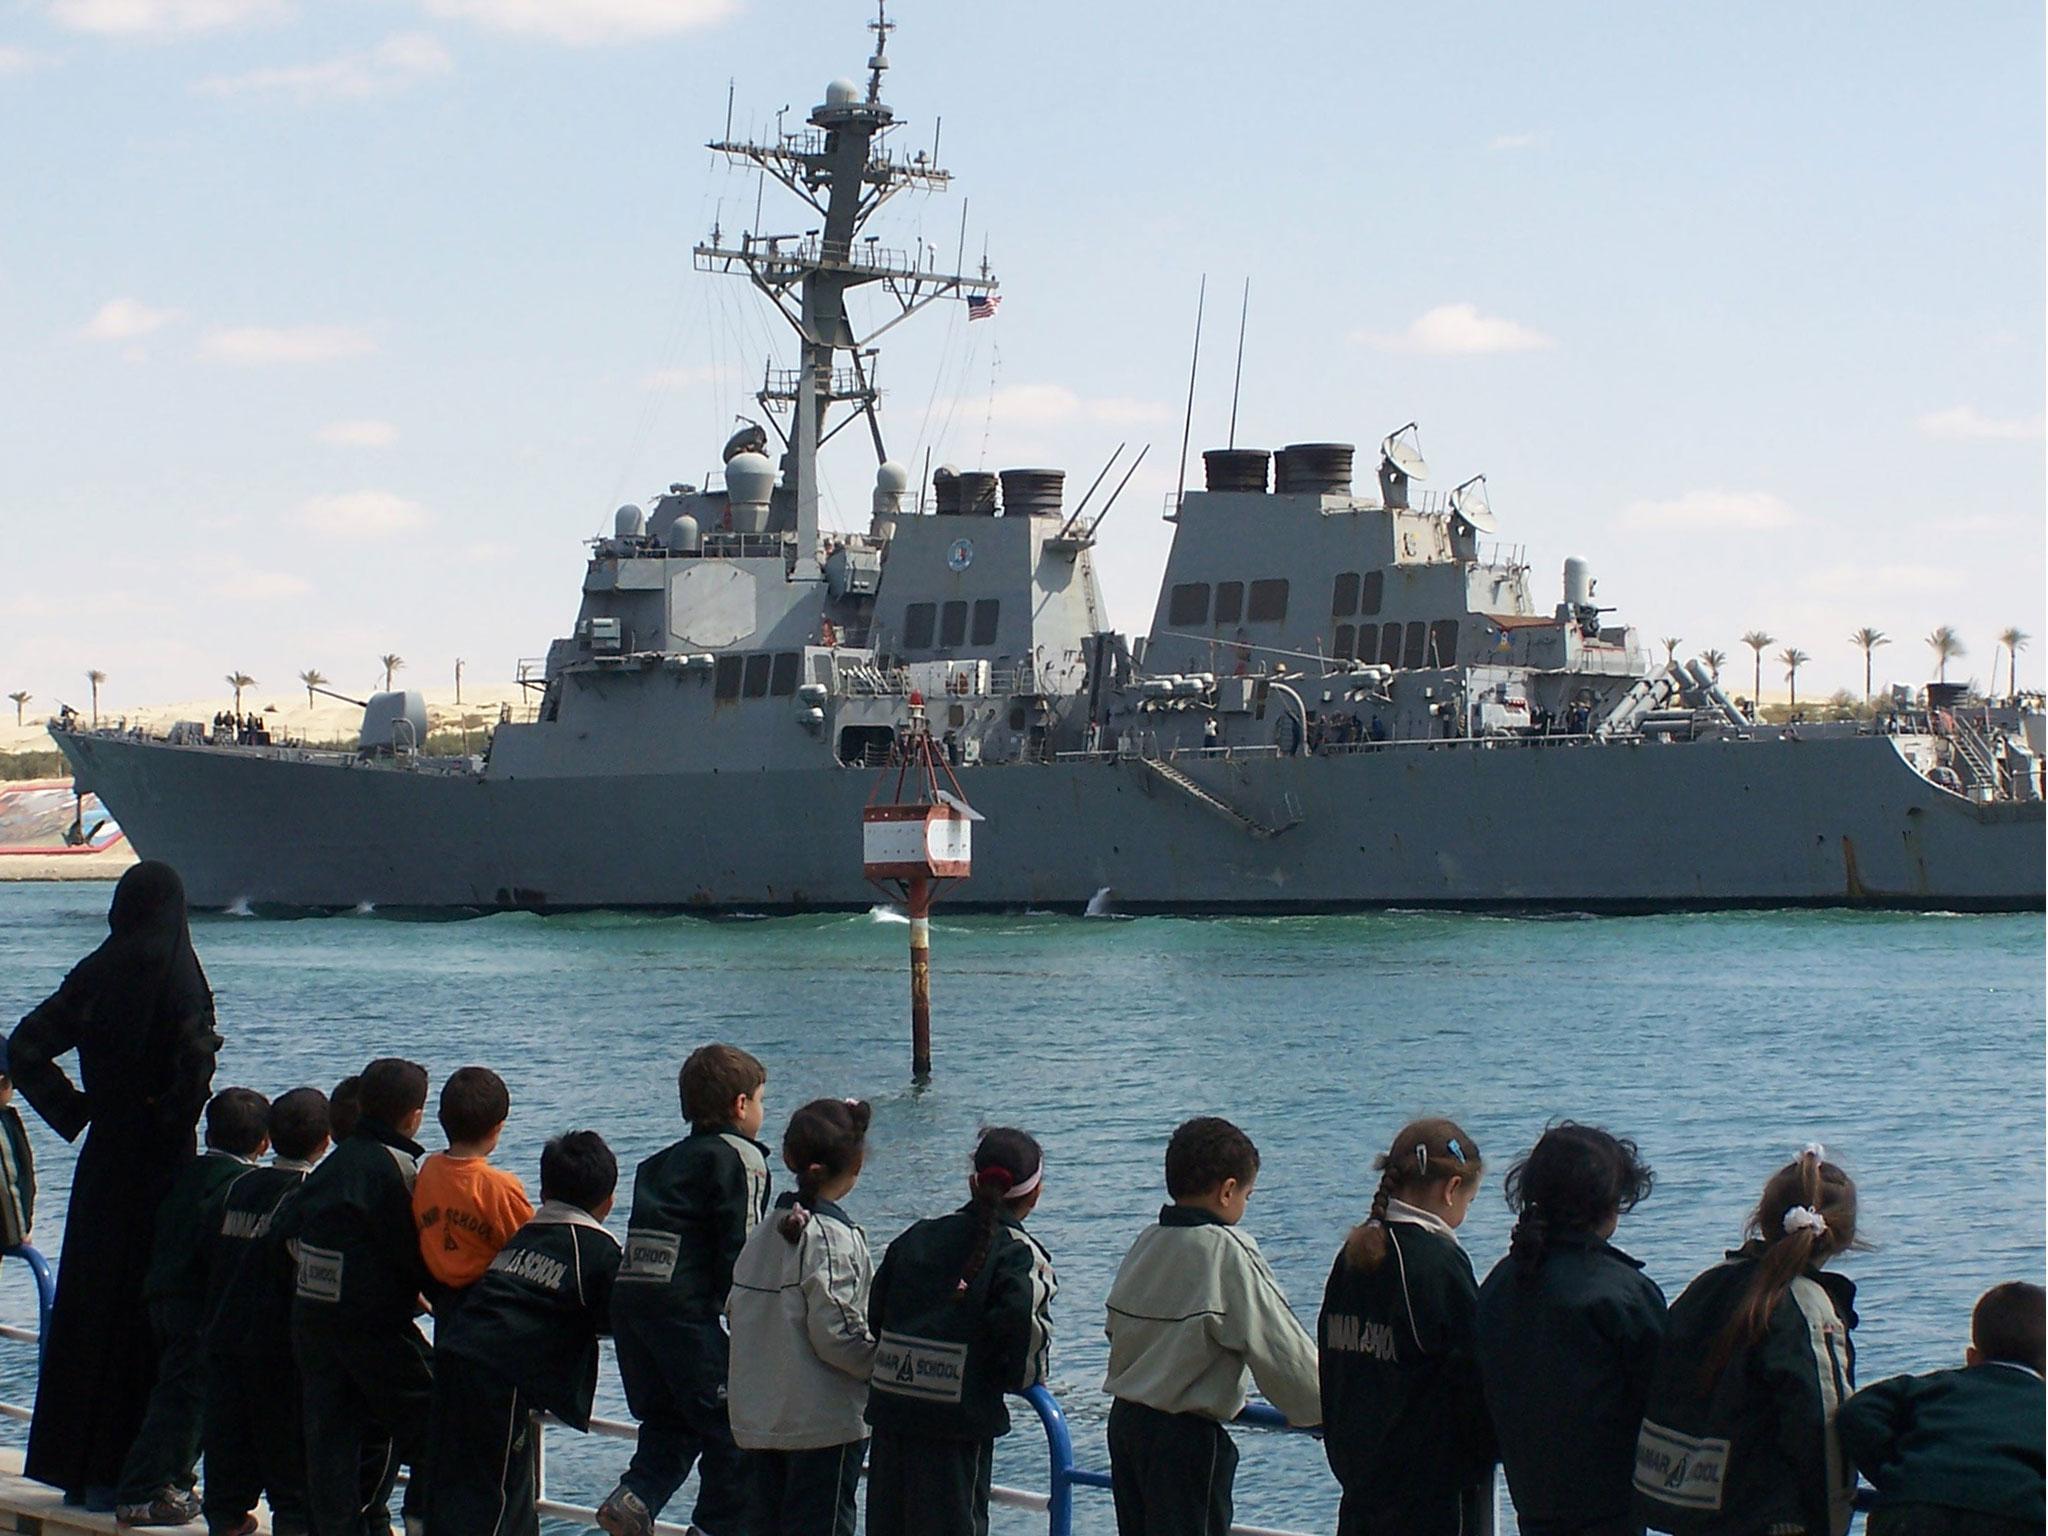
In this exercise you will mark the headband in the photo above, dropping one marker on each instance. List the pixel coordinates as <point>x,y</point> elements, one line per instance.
<point>1012,1190</point>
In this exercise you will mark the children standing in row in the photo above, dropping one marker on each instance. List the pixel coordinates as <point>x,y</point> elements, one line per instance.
<point>466,1209</point>
<point>1404,1426</point>
<point>254,1437</point>
<point>1195,1310</point>
<point>694,1206</point>
<point>801,1347</point>
<point>961,1311</point>
<point>1568,1330</point>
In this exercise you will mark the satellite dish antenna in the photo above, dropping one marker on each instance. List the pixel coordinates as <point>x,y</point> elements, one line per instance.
<point>1469,502</point>
<point>1400,461</point>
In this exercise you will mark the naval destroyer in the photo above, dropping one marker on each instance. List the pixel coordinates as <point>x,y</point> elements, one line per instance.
<point>1345,698</point>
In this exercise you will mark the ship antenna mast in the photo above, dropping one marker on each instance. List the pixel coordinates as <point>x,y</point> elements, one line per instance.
<point>839,166</point>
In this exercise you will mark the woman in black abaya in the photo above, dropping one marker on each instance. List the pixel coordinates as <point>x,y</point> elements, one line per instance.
<point>139,1014</point>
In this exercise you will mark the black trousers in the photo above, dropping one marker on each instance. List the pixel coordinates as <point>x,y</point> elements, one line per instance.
<point>482,1453</point>
<point>1171,1474</point>
<point>359,1388</point>
<point>165,1453</point>
<point>920,1485</point>
<point>255,1438</point>
<point>674,1375</point>
<point>1461,1512</point>
<point>805,1493</point>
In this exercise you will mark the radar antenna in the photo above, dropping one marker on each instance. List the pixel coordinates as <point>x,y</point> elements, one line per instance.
<point>1469,502</point>
<point>839,166</point>
<point>1400,461</point>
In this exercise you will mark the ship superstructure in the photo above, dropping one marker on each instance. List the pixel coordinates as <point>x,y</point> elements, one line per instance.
<point>1347,696</point>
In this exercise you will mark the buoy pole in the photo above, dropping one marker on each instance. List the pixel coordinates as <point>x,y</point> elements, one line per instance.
<point>920,897</point>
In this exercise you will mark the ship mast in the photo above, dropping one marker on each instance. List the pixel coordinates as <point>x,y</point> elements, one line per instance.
<point>840,166</point>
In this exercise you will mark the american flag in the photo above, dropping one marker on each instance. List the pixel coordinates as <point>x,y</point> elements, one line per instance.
<point>982,306</point>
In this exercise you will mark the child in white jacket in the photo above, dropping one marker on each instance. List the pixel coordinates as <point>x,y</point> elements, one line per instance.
<point>1195,1310</point>
<point>801,1349</point>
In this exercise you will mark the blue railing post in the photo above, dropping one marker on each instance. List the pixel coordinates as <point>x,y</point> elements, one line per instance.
<point>46,1291</point>
<point>1059,1446</point>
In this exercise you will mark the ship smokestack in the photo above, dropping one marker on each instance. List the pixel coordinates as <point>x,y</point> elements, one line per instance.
<point>1033,492</point>
<point>1322,468</point>
<point>1236,469</point>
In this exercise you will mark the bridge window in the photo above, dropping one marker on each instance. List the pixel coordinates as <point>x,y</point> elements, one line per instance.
<point>1443,643</point>
<point>1390,645</point>
<point>918,620</point>
<point>726,680</point>
<point>782,680</point>
<point>1188,603</point>
<point>1344,597</point>
<point>1269,602</point>
<point>1347,637</point>
<point>1370,591</point>
<point>758,666</point>
<point>986,611</point>
<point>953,624</point>
<point>1412,647</point>
<point>1368,643</point>
<point>1229,601</point>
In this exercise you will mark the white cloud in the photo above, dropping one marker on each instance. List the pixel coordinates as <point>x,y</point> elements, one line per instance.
<point>19,61</point>
<point>583,23</point>
<point>1712,509</point>
<point>360,515</point>
<point>1509,141</point>
<point>1876,580</point>
<point>1017,405</point>
<point>1452,330</point>
<point>126,319</point>
<point>1965,423</point>
<point>358,434</point>
<point>399,61</point>
<point>286,344</point>
<point>1120,411</point>
<point>161,18</point>
<point>662,380</point>
<point>230,576</point>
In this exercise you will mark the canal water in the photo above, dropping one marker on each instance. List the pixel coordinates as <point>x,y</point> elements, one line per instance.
<point>1912,1046</point>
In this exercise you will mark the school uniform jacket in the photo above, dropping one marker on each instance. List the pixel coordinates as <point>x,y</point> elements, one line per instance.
<point>535,1316</point>
<point>358,1252</point>
<point>1566,1354</point>
<point>1194,1313</point>
<point>1964,1439</point>
<point>945,1357</point>
<point>1404,1417</point>
<point>17,1180</point>
<point>1755,1449</point>
<point>247,1306</point>
<point>694,1205</point>
<point>801,1349</point>
<point>176,1282</point>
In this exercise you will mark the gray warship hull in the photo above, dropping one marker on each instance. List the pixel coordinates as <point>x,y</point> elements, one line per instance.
<point>1591,826</point>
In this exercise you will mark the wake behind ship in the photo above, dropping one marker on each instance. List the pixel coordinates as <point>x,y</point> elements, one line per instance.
<point>1347,697</point>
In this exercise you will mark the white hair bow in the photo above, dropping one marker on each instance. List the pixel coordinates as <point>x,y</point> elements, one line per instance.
<point>1816,1151</point>
<point>1804,1218</point>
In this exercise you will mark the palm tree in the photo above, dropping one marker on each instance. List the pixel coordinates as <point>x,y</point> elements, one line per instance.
<point>1671,643</point>
<point>390,664</point>
<point>313,678</point>
<point>1756,640</point>
<point>95,677</point>
<point>2014,640</point>
<point>238,681</point>
<point>1794,659</point>
<point>1715,661</point>
<point>1867,640</point>
<point>1947,645</point>
<point>19,700</point>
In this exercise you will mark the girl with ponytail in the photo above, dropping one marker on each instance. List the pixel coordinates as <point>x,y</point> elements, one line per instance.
<point>961,1311</point>
<point>1568,1329</point>
<point>1404,1423</point>
<point>801,1348</point>
<point>1739,1433</point>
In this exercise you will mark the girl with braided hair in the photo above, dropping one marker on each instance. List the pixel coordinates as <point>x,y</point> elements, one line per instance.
<point>1739,1434</point>
<point>1404,1419</point>
<point>1568,1330</point>
<point>801,1349</point>
<point>961,1310</point>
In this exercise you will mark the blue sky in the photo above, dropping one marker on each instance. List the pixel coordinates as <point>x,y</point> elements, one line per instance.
<point>330,329</point>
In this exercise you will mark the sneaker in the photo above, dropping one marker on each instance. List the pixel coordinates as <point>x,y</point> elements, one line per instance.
<point>172,1506</point>
<point>625,1513</point>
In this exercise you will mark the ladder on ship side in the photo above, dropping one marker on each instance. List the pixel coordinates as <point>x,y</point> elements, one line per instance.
<point>1975,752</point>
<point>1214,803</point>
